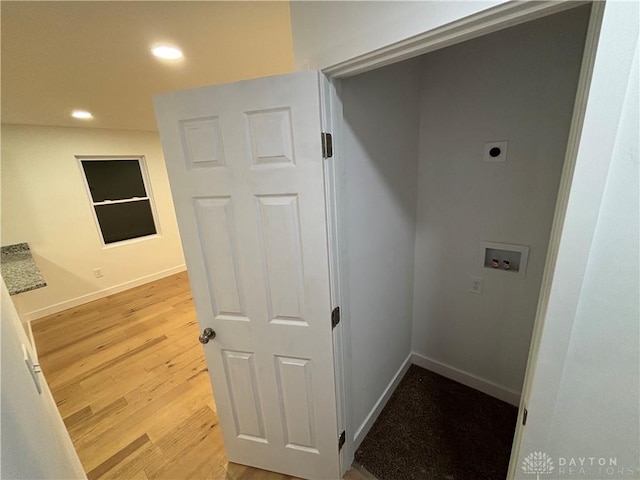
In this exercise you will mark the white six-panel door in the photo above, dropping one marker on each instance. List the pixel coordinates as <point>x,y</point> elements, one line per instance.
<point>246,171</point>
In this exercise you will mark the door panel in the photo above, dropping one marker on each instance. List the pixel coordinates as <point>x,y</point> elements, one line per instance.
<point>271,137</point>
<point>216,228</point>
<point>296,393</point>
<point>202,143</point>
<point>246,171</point>
<point>282,258</point>
<point>240,372</point>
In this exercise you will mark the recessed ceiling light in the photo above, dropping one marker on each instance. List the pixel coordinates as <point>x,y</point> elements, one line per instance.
<point>81,114</point>
<point>167,52</point>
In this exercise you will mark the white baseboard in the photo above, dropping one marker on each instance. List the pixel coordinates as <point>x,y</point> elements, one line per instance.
<point>473,381</point>
<point>90,297</point>
<point>382,401</point>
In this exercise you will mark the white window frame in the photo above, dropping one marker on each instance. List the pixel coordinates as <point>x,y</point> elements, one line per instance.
<point>142,163</point>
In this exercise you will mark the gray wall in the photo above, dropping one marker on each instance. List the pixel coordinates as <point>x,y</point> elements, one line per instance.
<point>606,332</point>
<point>34,441</point>
<point>380,151</point>
<point>326,33</point>
<point>585,389</point>
<point>516,85</point>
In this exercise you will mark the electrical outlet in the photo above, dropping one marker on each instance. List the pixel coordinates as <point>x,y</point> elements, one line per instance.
<point>98,272</point>
<point>476,285</point>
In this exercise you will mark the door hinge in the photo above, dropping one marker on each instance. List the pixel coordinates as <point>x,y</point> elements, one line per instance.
<point>524,416</point>
<point>335,317</point>
<point>341,439</point>
<point>327,145</point>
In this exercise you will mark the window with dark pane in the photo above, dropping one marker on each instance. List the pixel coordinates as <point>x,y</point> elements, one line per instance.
<point>114,179</point>
<point>120,200</point>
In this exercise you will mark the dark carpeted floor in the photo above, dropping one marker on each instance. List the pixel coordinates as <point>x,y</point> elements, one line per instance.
<point>433,428</point>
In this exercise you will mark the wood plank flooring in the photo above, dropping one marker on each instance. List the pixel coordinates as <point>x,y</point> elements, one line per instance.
<point>130,380</point>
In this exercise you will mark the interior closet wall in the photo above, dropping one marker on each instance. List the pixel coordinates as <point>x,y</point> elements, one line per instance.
<point>380,151</point>
<point>417,201</point>
<point>516,85</point>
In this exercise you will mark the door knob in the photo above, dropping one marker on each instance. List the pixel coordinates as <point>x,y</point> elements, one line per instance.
<point>207,334</point>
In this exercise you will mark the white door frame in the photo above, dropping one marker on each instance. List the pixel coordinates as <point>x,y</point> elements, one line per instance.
<point>332,198</point>
<point>479,24</point>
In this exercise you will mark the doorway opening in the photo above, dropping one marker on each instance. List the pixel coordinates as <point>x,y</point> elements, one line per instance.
<point>444,242</point>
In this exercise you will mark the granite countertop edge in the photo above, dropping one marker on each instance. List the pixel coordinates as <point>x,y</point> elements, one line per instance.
<point>19,269</point>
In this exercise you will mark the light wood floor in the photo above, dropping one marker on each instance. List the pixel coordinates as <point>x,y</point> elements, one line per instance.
<point>130,380</point>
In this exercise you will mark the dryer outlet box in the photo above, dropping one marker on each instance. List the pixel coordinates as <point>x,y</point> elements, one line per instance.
<point>495,152</point>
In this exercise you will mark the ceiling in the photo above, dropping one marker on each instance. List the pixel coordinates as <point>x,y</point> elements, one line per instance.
<point>60,56</point>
